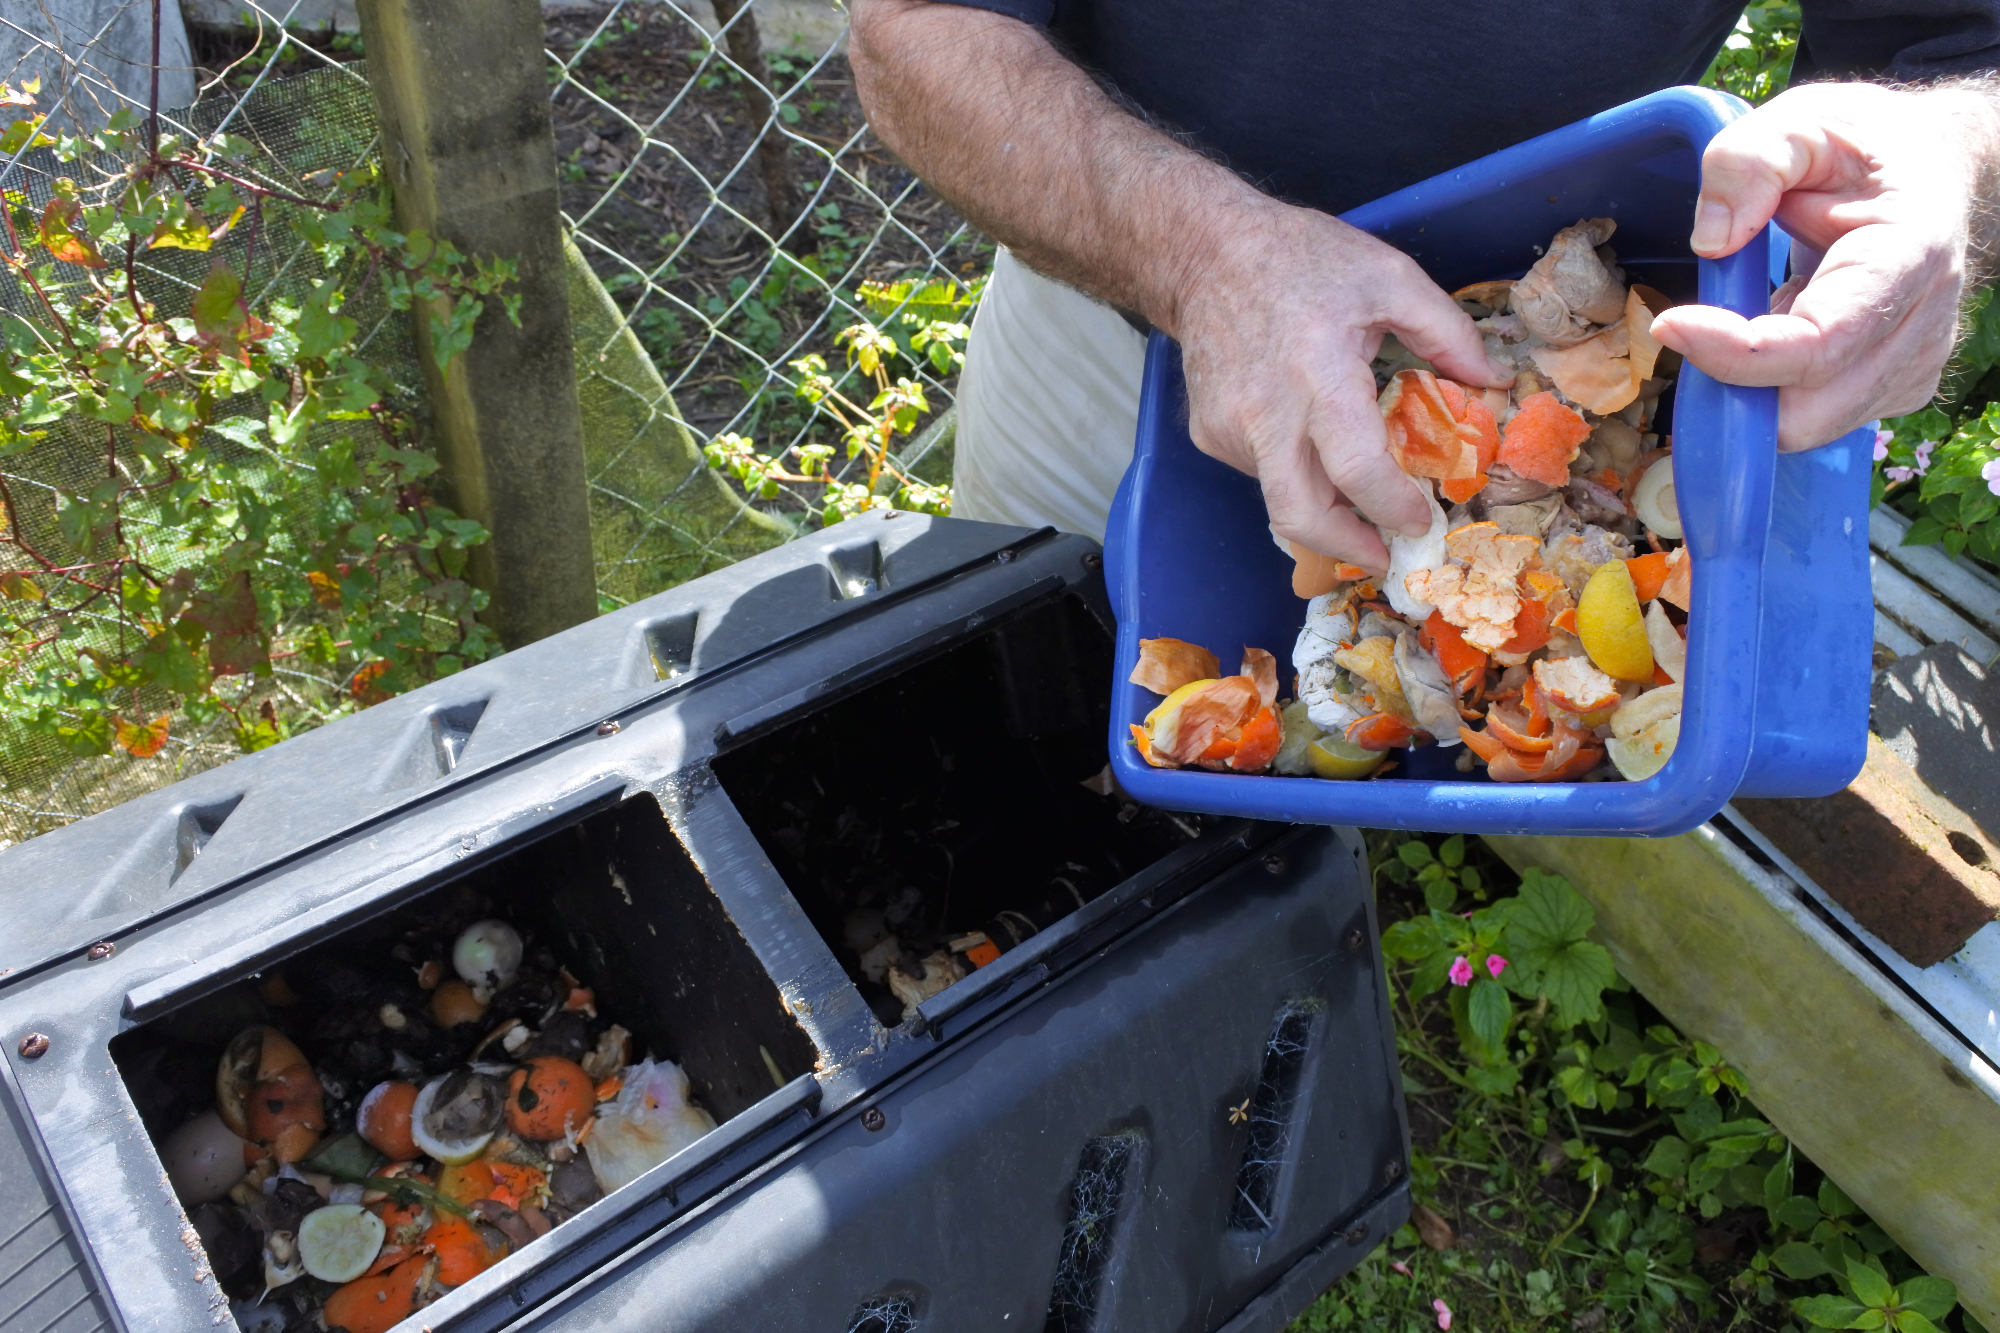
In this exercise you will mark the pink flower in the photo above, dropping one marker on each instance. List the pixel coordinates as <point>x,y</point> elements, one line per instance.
<point>1496,965</point>
<point>1990,474</point>
<point>1401,1267</point>
<point>1899,473</point>
<point>1882,442</point>
<point>1444,1313</point>
<point>1461,971</point>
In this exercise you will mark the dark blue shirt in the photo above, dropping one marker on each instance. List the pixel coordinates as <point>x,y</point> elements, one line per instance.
<point>1335,103</point>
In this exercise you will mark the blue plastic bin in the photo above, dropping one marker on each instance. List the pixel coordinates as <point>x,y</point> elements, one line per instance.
<point>1780,633</point>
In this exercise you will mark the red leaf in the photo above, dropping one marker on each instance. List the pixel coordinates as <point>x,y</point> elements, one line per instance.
<point>141,740</point>
<point>63,243</point>
<point>236,643</point>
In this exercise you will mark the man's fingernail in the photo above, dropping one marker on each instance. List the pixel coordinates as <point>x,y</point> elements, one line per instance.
<point>1416,529</point>
<point>1712,219</point>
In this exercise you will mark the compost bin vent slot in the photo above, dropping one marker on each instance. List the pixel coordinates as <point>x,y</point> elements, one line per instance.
<point>888,1313</point>
<point>432,747</point>
<point>669,645</point>
<point>855,570</point>
<point>1098,1198</point>
<point>196,825</point>
<point>451,731</point>
<point>1271,1112</point>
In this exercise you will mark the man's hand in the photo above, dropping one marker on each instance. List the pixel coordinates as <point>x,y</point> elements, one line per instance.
<point>1878,186</point>
<point>1277,332</point>
<point>1278,309</point>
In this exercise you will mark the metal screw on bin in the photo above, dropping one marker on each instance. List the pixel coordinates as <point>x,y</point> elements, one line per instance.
<point>1392,1171</point>
<point>1004,558</point>
<point>1274,864</point>
<point>1092,560</point>
<point>1354,938</point>
<point>609,727</point>
<point>100,951</point>
<point>33,1046</point>
<point>1355,1235</point>
<point>872,1119</point>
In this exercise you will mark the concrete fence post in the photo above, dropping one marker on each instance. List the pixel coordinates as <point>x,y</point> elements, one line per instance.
<point>462,94</point>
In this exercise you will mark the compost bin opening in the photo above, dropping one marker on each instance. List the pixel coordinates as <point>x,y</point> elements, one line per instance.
<point>618,930</point>
<point>939,819</point>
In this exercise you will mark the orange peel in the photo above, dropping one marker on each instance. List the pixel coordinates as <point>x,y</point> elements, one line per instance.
<point>1426,437</point>
<point>1576,684</point>
<point>1543,439</point>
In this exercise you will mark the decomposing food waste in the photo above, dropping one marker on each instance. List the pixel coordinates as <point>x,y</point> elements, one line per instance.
<point>1541,621</point>
<point>430,1133</point>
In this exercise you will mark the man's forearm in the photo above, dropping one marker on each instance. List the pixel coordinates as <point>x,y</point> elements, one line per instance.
<point>1028,148</point>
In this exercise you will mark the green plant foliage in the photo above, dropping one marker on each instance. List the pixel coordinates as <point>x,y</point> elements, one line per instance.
<point>262,496</point>
<point>916,322</point>
<point>1598,1169</point>
<point>1941,467</point>
<point>1756,58</point>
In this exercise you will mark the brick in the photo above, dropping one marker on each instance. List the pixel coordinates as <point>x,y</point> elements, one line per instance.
<point>1909,865</point>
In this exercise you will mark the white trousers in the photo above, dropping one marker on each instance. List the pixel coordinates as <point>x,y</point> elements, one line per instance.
<point>1047,405</point>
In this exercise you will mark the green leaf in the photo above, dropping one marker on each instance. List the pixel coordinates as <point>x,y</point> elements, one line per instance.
<point>1452,851</point>
<point>1871,1286</point>
<point>1924,532</point>
<point>1414,854</point>
<point>1440,892</point>
<point>1487,1012</point>
<point>1911,1321</point>
<point>1670,1157</point>
<point>1546,935</point>
<point>1833,1201</point>
<point>1799,1261</point>
<point>1932,1297</point>
<point>1778,1185</point>
<point>1411,940</point>
<point>1830,1311</point>
<point>1798,1212</point>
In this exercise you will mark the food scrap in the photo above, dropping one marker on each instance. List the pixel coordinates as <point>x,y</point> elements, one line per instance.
<point>419,1145</point>
<point>1541,621</point>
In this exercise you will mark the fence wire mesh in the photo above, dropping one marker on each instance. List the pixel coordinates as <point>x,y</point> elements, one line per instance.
<point>730,215</point>
<point>720,180</point>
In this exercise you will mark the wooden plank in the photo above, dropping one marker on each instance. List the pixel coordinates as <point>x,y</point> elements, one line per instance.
<point>1913,605</point>
<point>1890,635</point>
<point>1870,1087</point>
<point>462,93</point>
<point>1969,590</point>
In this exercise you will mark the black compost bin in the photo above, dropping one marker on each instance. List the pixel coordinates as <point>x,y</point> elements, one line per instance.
<point>828,834</point>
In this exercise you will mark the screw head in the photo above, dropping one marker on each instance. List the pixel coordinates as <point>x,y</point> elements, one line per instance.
<point>1004,558</point>
<point>873,1120</point>
<point>608,727</point>
<point>33,1046</point>
<point>1392,1171</point>
<point>1274,864</point>
<point>100,951</point>
<point>1355,1235</point>
<point>1092,560</point>
<point>1354,939</point>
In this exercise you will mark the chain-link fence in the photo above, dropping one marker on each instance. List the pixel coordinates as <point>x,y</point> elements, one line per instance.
<point>731,215</point>
<point>721,181</point>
